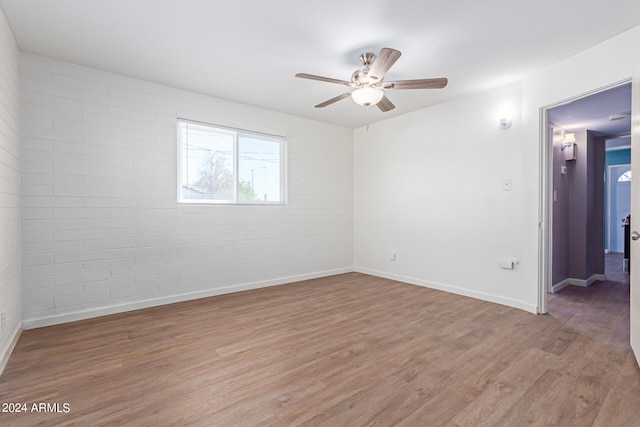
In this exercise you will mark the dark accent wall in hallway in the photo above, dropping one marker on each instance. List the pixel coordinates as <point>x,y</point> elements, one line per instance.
<point>578,212</point>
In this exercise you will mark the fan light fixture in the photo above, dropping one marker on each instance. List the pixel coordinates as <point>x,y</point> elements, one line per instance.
<point>366,96</point>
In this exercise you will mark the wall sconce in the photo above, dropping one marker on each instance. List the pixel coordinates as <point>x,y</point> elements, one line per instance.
<point>568,140</point>
<point>568,144</point>
<point>504,124</point>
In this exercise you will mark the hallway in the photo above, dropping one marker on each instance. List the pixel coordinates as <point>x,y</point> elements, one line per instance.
<point>613,268</point>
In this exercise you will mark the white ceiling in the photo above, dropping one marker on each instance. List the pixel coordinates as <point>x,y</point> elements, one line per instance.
<point>249,50</point>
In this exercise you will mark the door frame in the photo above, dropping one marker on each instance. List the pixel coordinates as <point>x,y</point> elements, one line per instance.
<point>545,191</point>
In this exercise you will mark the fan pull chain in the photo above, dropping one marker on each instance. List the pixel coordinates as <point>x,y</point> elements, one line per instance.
<point>367,116</point>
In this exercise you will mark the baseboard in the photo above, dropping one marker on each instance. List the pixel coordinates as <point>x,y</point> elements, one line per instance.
<point>5,353</point>
<point>578,282</point>
<point>152,302</point>
<point>559,286</point>
<point>509,302</point>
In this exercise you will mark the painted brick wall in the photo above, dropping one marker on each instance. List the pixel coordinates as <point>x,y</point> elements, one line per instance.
<point>10,292</point>
<point>101,229</point>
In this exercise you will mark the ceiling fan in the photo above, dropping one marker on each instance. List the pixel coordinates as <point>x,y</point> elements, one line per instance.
<point>368,82</point>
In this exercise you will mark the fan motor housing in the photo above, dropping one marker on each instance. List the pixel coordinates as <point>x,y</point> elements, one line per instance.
<point>360,77</point>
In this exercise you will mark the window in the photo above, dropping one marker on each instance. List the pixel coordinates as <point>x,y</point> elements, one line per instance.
<point>224,165</point>
<point>625,177</point>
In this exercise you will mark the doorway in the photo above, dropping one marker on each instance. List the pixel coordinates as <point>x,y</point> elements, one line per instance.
<point>570,207</point>
<point>618,205</point>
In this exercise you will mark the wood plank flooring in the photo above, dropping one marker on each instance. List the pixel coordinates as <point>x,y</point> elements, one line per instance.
<point>347,350</point>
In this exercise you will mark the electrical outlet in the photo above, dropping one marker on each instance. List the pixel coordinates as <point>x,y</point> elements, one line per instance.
<point>3,320</point>
<point>392,255</point>
<point>506,184</point>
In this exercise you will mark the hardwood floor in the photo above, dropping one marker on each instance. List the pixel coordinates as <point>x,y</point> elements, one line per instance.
<point>346,350</point>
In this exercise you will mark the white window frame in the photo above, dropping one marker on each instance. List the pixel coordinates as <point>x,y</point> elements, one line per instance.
<point>237,134</point>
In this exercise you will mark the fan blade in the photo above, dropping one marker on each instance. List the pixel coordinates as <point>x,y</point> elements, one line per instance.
<point>417,84</point>
<point>332,100</point>
<point>385,104</point>
<point>383,62</point>
<point>323,79</point>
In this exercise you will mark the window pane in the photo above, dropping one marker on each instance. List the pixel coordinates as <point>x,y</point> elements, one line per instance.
<point>259,169</point>
<point>225,165</point>
<point>207,163</point>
